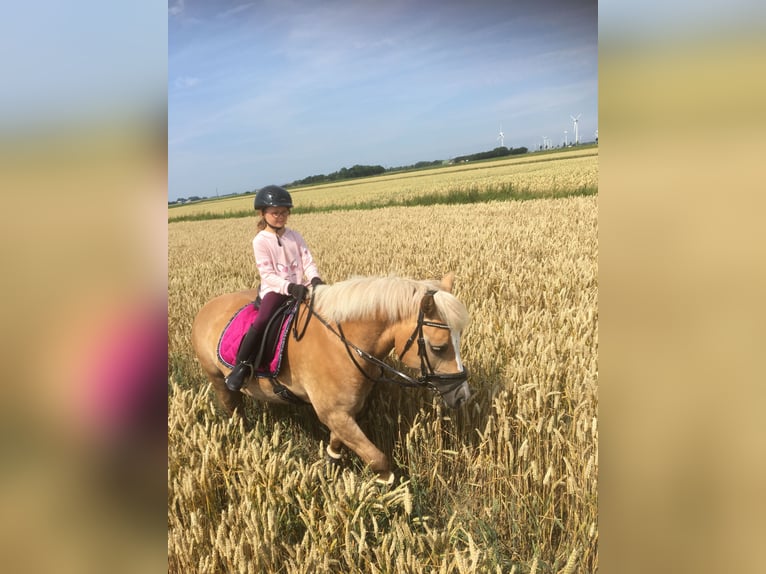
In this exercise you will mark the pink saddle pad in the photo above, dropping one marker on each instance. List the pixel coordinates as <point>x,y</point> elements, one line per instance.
<point>235,330</point>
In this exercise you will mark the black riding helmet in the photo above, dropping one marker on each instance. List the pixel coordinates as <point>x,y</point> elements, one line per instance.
<point>272,196</point>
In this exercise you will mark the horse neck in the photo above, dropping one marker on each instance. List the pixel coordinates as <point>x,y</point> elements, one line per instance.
<point>377,337</point>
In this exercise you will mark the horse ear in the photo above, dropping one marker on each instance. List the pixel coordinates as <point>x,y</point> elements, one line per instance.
<point>447,281</point>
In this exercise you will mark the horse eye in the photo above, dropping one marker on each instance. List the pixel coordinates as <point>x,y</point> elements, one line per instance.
<point>438,348</point>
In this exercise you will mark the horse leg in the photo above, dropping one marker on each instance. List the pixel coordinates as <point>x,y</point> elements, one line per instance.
<point>345,430</point>
<point>333,454</point>
<point>333,449</point>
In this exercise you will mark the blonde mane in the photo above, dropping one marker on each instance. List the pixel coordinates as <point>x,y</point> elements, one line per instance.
<point>394,297</point>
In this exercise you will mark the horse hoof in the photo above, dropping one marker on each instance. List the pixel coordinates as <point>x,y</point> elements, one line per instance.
<point>333,458</point>
<point>332,462</point>
<point>387,482</point>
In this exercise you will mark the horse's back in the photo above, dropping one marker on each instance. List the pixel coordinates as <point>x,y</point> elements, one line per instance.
<point>210,322</point>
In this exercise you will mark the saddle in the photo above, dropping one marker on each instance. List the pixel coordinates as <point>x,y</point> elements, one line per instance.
<point>273,343</point>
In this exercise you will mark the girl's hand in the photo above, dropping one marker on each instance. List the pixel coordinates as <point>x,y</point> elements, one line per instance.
<point>297,291</point>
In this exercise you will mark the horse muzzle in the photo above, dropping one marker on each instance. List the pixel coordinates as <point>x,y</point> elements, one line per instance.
<point>457,397</point>
<point>453,388</point>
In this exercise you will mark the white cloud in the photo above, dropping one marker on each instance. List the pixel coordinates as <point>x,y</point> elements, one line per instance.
<point>186,82</point>
<point>177,8</point>
<point>236,10</point>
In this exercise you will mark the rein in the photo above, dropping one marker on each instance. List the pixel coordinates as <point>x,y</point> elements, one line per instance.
<point>442,383</point>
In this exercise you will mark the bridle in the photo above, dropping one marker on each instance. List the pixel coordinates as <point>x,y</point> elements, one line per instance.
<point>428,376</point>
<point>442,383</point>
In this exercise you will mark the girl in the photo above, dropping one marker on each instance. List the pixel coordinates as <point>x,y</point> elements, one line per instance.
<point>283,259</point>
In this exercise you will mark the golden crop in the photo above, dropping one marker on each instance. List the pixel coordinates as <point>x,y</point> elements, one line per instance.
<point>507,484</point>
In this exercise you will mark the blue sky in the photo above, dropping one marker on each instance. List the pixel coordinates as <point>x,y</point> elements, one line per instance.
<point>273,91</point>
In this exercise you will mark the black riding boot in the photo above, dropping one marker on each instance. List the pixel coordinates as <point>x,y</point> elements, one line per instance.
<point>246,355</point>
<point>238,375</point>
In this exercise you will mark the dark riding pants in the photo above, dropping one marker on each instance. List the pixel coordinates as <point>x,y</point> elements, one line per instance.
<point>248,349</point>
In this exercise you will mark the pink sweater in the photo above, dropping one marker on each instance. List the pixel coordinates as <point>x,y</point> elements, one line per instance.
<point>280,265</point>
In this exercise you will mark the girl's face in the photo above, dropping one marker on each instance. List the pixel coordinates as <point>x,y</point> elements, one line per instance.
<point>276,216</point>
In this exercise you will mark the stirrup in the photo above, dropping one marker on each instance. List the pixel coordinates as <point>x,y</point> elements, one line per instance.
<point>237,377</point>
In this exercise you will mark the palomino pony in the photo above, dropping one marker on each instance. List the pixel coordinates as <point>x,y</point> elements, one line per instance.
<point>335,352</point>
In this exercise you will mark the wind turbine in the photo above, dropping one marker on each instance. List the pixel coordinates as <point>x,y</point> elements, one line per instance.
<point>576,134</point>
<point>566,141</point>
<point>501,137</point>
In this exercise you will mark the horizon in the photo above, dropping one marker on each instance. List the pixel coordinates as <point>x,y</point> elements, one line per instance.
<point>393,169</point>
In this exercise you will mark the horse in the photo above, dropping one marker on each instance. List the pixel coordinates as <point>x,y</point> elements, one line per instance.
<point>341,333</point>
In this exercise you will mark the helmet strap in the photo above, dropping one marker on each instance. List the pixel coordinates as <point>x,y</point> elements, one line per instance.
<point>276,231</point>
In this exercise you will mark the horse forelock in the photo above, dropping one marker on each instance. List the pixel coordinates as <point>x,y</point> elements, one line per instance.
<point>394,297</point>
<point>452,311</point>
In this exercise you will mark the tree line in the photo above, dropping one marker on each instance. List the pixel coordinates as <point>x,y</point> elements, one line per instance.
<point>343,173</point>
<point>497,152</point>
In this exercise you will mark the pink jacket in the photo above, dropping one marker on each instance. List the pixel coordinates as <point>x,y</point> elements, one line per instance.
<point>280,265</point>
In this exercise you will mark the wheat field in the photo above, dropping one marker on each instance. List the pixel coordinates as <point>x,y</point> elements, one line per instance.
<point>506,484</point>
<point>547,172</point>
